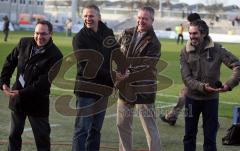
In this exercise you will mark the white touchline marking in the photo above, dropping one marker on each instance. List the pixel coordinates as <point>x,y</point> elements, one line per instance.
<point>51,125</point>
<point>175,96</point>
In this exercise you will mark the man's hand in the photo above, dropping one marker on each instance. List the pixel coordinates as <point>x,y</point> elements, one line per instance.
<point>210,89</point>
<point>14,93</point>
<point>8,92</point>
<point>225,88</point>
<point>5,87</point>
<point>120,77</point>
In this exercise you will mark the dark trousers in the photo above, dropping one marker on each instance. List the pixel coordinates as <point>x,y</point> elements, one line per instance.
<point>40,127</point>
<point>178,39</point>
<point>88,125</point>
<point>5,35</point>
<point>69,32</point>
<point>209,110</point>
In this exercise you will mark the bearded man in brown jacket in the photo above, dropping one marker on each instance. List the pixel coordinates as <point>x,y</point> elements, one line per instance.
<point>201,61</point>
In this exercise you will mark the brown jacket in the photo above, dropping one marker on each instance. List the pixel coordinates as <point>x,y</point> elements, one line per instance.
<point>140,87</point>
<point>199,67</point>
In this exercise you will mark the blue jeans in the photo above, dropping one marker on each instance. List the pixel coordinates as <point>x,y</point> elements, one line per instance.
<point>89,123</point>
<point>209,110</point>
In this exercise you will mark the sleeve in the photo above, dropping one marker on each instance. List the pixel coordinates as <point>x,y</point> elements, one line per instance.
<point>151,57</point>
<point>118,57</point>
<point>233,63</point>
<point>77,42</point>
<point>187,77</point>
<point>9,66</point>
<point>154,50</point>
<point>119,39</point>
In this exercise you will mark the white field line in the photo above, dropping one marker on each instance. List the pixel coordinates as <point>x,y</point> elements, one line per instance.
<point>167,95</point>
<point>111,115</point>
<point>159,94</point>
<point>175,96</point>
<point>51,125</point>
<point>229,103</point>
<point>56,88</point>
<point>168,105</point>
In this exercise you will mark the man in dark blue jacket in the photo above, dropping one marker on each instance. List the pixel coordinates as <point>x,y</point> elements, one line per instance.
<point>29,96</point>
<point>94,47</point>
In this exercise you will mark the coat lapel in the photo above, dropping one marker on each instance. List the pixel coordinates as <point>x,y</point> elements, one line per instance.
<point>136,49</point>
<point>141,45</point>
<point>132,43</point>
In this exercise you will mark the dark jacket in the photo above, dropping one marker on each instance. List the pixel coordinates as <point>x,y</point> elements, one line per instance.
<point>97,50</point>
<point>199,67</point>
<point>33,97</point>
<point>141,85</point>
<point>6,25</point>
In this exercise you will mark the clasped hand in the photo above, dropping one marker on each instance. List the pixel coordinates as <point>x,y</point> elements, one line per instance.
<point>210,89</point>
<point>8,92</point>
<point>120,76</point>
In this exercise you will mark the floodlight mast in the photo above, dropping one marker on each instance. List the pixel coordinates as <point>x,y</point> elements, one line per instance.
<point>160,8</point>
<point>74,8</point>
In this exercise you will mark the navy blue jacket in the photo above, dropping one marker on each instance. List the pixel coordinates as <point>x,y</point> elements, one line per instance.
<point>95,52</point>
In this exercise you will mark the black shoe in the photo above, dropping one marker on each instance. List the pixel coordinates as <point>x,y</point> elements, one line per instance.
<point>170,122</point>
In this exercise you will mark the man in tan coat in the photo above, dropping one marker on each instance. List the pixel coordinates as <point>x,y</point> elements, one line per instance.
<point>142,50</point>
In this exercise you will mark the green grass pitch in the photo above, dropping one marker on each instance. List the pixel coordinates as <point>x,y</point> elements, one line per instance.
<point>171,137</point>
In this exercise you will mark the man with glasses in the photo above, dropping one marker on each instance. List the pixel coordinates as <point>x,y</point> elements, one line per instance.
<point>29,96</point>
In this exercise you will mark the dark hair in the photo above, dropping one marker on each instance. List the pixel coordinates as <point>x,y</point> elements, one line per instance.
<point>93,6</point>
<point>149,9</point>
<point>202,26</point>
<point>5,18</point>
<point>193,16</point>
<point>44,22</point>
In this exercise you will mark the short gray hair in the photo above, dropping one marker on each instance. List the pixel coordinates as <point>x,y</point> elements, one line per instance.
<point>149,9</point>
<point>93,6</point>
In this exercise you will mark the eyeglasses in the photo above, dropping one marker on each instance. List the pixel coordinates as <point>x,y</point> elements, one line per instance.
<point>42,34</point>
